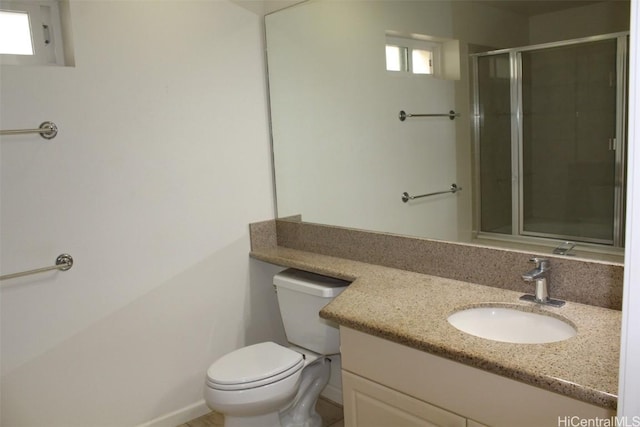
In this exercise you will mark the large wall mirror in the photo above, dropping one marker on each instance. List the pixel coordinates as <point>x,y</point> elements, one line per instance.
<point>514,115</point>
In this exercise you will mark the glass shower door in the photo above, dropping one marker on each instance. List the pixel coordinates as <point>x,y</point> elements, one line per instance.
<point>568,158</point>
<point>493,74</point>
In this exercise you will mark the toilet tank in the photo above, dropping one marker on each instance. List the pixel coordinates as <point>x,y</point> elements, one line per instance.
<point>301,296</point>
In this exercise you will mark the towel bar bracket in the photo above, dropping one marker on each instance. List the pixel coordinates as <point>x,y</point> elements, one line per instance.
<point>49,130</point>
<point>65,261</point>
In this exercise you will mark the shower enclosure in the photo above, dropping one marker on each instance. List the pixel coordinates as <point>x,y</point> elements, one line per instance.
<point>550,141</point>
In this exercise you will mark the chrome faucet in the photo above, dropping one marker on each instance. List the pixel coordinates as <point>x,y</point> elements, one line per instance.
<point>540,275</point>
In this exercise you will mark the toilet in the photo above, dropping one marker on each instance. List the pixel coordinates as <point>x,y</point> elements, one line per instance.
<point>269,385</point>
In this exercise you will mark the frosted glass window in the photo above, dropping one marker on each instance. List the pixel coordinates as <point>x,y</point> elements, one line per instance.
<point>421,61</point>
<point>15,33</point>
<point>413,55</point>
<point>396,58</point>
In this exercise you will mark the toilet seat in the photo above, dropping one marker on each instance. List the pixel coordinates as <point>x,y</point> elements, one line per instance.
<point>254,366</point>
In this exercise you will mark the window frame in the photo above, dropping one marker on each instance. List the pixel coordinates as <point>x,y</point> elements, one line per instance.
<point>44,16</point>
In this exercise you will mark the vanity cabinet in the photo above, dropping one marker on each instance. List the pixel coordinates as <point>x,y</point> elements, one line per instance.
<point>373,405</point>
<point>388,384</point>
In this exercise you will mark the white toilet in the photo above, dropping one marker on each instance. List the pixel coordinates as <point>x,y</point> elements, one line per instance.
<point>268,385</point>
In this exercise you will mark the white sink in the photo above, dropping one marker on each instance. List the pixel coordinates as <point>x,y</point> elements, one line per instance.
<point>511,325</point>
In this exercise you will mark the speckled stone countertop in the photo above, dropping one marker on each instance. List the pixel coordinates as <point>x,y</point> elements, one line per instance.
<point>412,309</point>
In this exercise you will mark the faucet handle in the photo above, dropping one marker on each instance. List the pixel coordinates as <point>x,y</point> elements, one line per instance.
<point>541,263</point>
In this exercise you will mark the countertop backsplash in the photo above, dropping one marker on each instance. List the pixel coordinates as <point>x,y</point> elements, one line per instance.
<point>583,281</point>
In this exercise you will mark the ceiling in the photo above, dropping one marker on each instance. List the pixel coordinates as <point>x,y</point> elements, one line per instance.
<point>523,7</point>
<point>538,7</point>
<point>265,7</point>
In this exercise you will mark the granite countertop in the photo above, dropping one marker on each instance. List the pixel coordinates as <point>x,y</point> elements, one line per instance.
<point>412,309</point>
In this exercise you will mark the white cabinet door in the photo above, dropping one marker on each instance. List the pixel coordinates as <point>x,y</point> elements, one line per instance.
<point>369,404</point>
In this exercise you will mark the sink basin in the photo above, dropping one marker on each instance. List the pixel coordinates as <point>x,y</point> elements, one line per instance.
<point>511,325</point>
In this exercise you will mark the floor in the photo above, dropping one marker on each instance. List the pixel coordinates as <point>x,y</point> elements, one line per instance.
<point>330,412</point>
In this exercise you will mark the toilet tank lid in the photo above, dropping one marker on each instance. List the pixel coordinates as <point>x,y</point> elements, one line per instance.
<point>310,283</point>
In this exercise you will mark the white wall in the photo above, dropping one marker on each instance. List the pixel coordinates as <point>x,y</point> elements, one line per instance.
<point>161,161</point>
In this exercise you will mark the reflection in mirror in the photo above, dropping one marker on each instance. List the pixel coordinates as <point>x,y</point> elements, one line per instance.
<point>342,157</point>
<point>549,114</point>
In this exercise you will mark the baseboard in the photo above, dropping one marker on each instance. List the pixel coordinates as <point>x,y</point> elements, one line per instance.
<point>332,393</point>
<point>180,416</point>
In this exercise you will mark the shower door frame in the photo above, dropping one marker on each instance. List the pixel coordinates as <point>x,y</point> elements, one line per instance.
<point>517,138</point>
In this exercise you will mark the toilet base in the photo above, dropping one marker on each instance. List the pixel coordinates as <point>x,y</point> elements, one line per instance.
<point>302,413</point>
<point>266,420</point>
<point>313,421</point>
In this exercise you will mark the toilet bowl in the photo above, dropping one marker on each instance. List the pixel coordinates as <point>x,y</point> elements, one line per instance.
<point>269,385</point>
<point>254,382</point>
<point>281,390</point>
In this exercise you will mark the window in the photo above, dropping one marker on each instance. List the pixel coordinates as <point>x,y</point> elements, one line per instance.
<point>15,33</point>
<point>30,33</point>
<point>422,61</point>
<point>412,55</point>
<point>397,58</point>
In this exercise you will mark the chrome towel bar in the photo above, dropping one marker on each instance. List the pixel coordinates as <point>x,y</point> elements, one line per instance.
<point>63,263</point>
<point>451,114</point>
<point>47,130</point>
<point>453,189</point>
